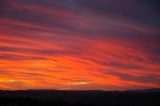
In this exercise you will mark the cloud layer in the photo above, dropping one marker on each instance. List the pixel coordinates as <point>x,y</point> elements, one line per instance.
<point>79,44</point>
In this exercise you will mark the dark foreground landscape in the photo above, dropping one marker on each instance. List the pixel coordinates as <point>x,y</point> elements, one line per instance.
<point>150,97</point>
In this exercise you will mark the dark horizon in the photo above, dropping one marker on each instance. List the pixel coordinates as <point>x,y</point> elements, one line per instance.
<point>148,97</point>
<point>147,89</point>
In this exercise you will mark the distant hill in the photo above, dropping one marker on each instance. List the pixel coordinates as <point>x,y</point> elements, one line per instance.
<point>146,97</point>
<point>149,90</point>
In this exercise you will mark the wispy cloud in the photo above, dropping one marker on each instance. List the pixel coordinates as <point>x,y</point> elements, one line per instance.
<point>79,44</point>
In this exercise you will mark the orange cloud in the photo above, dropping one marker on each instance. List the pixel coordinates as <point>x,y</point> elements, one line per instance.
<point>43,47</point>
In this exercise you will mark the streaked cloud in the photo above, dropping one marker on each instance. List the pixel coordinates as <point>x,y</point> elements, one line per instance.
<point>79,44</point>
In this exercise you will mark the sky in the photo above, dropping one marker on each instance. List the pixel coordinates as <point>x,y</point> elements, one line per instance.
<point>79,44</point>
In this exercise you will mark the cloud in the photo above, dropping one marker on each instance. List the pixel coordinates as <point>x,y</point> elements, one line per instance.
<point>79,44</point>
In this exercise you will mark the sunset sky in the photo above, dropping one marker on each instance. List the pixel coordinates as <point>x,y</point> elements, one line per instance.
<point>79,44</point>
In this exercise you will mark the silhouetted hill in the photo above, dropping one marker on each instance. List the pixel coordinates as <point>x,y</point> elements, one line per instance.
<point>147,97</point>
